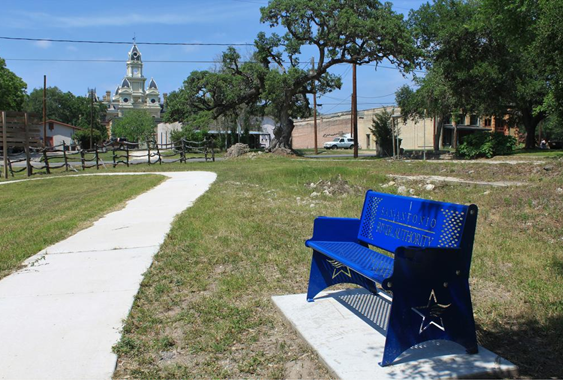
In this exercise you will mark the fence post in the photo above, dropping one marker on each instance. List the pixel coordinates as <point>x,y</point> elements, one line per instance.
<point>82,159</point>
<point>97,156</point>
<point>5,144</point>
<point>113,156</point>
<point>46,159</point>
<point>64,155</point>
<point>11,169</point>
<point>26,146</point>
<point>127,154</point>
<point>157,151</point>
<point>183,157</point>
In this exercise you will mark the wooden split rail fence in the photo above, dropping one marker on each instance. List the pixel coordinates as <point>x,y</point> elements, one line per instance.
<point>130,153</point>
<point>21,132</point>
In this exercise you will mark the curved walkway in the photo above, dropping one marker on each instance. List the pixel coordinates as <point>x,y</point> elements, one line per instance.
<point>63,312</point>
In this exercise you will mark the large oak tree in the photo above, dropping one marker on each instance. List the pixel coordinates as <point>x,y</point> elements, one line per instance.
<point>276,78</point>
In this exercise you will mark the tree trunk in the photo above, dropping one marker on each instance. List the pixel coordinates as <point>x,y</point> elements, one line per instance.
<point>438,133</point>
<point>282,132</point>
<point>530,123</point>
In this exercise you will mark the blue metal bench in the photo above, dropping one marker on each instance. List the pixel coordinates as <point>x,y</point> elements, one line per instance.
<point>429,246</point>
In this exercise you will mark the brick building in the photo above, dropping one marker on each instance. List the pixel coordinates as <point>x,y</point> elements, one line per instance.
<point>414,135</point>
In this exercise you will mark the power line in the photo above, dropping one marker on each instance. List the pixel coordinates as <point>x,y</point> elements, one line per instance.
<point>125,42</point>
<point>362,103</point>
<point>106,60</point>
<point>337,104</point>
<point>344,75</point>
<point>150,43</point>
<point>380,96</point>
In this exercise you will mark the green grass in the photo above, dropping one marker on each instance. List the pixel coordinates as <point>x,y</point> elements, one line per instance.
<point>36,214</point>
<point>323,151</point>
<point>544,153</point>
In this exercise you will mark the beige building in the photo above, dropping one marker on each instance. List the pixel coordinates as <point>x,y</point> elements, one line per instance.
<point>414,135</point>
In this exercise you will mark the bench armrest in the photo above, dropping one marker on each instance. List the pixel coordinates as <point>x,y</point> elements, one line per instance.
<point>413,263</point>
<point>335,229</point>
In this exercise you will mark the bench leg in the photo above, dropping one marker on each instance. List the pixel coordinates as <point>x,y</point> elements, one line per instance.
<point>429,312</point>
<point>326,272</point>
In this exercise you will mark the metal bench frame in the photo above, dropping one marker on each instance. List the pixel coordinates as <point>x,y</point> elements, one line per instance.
<point>428,273</point>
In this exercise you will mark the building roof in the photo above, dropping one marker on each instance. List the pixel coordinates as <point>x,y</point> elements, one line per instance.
<point>125,83</point>
<point>135,54</point>
<point>152,84</point>
<point>63,124</point>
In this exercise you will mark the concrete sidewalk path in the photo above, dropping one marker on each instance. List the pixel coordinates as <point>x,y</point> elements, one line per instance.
<point>63,312</point>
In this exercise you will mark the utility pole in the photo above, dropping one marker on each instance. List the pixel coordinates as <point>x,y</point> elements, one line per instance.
<point>44,111</point>
<point>314,107</point>
<point>91,117</point>
<point>354,111</point>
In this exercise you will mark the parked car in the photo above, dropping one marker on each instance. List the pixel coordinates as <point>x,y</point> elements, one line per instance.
<point>555,145</point>
<point>340,143</point>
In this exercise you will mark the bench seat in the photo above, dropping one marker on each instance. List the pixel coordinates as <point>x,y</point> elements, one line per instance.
<point>369,263</point>
<point>427,273</point>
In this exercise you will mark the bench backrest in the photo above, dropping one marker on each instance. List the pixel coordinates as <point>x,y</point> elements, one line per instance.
<point>390,221</point>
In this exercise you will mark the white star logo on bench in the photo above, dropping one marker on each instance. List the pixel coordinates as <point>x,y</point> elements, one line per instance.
<point>431,313</point>
<point>339,268</point>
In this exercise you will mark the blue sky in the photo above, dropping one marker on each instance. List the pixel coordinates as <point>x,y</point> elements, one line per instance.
<point>211,21</point>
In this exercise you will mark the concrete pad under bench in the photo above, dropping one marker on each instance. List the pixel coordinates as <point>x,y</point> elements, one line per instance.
<point>347,329</point>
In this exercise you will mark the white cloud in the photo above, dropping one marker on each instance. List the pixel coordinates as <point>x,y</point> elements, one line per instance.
<point>43,44</point>
<point>179,18</point>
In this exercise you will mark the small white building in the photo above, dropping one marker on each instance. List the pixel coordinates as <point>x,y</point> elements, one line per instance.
<point>58,132</point>
<point>164,132</point>
<point>265,133</point>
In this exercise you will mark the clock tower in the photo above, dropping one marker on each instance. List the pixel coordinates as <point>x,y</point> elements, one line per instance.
<point>132,93</point>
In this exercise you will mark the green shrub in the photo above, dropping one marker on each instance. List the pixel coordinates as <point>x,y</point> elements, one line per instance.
<point>135,125</point>
<point>382,129</point>
<point>188,134</point>
<point>82,138</point>
<point>484,144</point>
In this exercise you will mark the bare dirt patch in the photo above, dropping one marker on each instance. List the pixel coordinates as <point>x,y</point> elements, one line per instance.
<point>448,179</point>
<point>336,186</point>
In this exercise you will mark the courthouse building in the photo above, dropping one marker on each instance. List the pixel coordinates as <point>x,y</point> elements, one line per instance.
<point>132,93</point>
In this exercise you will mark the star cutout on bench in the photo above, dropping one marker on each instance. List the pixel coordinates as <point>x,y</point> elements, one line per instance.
<point>431,313</point>
<point>339,268</point>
